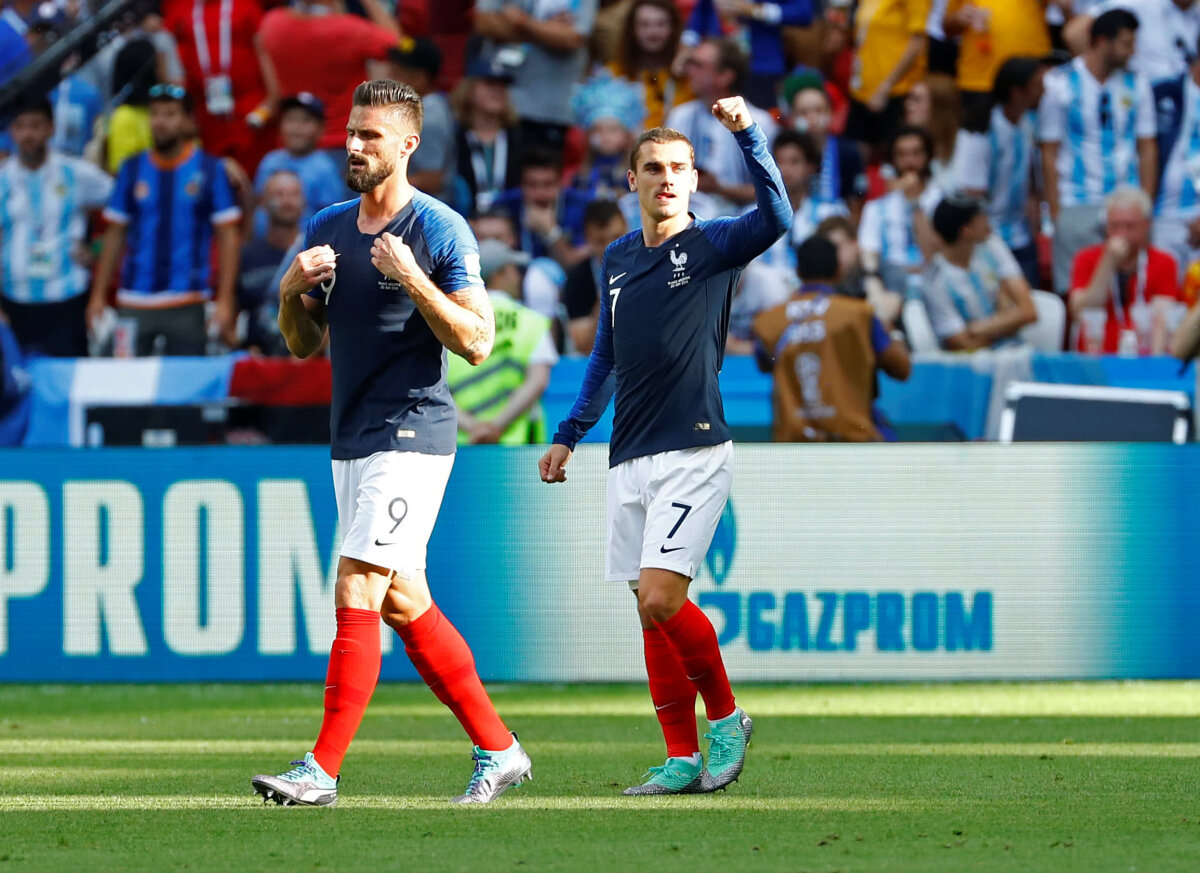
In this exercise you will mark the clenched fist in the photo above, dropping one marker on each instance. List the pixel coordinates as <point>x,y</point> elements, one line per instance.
<point>308,269</point>
<point>733,113</point>
<point>392,256</point>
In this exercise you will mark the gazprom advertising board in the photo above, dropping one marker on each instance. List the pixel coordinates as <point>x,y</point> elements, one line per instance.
<point>830,563</point>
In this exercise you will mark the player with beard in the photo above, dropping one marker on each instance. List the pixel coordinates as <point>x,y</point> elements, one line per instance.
<point>393,276</point>
<point>661,332</point>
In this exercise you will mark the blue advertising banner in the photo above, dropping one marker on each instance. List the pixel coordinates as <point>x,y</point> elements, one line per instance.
<point>830,563</point>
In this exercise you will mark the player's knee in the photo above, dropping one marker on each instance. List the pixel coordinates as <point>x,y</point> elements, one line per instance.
<point>353,591</point>
<point>658,604</point>
<point>403,608</point>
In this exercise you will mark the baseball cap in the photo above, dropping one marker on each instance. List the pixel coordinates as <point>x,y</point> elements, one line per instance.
<point>419,53</point>
<point>304,100</point>
<point>489,68</point>
<point>495,255</point>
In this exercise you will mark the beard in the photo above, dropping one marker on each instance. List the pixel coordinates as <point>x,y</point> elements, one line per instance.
<point>168,142</point>
<point>366,178</point>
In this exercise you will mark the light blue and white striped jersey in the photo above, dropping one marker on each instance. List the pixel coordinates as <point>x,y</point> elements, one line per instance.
<point>805,219</point>
<point>954,297</point>
<point>43,219</point>
<point>1179,194</point>
<point>887,229</point>
<point>1098,127</point>
<point>1000,162</point>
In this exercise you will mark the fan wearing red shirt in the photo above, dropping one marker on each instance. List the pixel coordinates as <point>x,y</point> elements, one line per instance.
<point>227,73</point>
<point>325,51</point>
<point>1126,278</point>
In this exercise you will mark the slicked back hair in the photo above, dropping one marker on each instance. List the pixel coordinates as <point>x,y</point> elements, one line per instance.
<point>387,93</point>
<point>661,136</point>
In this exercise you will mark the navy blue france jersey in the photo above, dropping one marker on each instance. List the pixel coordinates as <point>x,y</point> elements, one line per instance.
<point>389,370</point>
<point>664,314</point>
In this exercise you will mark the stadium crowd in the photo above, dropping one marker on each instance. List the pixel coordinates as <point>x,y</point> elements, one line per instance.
<point>991,173</point>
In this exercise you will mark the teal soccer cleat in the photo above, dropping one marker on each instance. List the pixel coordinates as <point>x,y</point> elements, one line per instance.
<point>306,784</point>
<point>728,739</point>
<point>495,773</point>
<point>676,776</point>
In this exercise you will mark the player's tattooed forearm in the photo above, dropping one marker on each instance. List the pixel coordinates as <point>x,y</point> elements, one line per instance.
<point>484,333</point>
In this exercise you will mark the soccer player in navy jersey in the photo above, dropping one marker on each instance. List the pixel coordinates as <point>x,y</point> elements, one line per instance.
<point>664,313</point>
<point>393,277</point>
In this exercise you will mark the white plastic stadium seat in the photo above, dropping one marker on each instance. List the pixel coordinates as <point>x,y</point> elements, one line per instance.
<point>1046,334</point>
<point>918,327</point>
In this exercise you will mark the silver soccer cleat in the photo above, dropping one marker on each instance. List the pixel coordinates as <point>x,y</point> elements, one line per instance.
<point>495,773</point>
<point>306,784</point>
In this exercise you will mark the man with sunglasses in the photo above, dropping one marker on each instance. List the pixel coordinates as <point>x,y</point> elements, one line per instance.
<point>168,204</point>
<point>1097,132</point>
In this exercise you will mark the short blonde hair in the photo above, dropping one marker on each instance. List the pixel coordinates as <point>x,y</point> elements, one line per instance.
<point>1130,196</point>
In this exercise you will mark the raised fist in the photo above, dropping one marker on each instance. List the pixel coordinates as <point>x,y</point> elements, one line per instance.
<point>733,113</point>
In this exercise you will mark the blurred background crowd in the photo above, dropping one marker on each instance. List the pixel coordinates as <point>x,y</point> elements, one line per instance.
<point>990,174</point>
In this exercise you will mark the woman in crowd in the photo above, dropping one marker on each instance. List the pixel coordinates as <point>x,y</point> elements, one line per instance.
<point>647,53</point>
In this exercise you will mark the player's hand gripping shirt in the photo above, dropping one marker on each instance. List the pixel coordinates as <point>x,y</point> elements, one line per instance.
<point>664,314</point>
<point>389,370</point>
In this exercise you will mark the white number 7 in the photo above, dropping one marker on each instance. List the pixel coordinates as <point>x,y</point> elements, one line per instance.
<point>614,293</point>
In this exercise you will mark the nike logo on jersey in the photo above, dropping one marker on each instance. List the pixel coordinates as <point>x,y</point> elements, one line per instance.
<point>378,543</point>
<point>612,280</point>
<point>664,550</point>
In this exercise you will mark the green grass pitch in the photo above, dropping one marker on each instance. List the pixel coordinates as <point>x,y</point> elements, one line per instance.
<point>974,777</point>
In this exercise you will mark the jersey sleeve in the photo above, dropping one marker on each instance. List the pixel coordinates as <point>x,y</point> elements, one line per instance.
<point>95,185</point>
<point>598,382</point>
<point>1147,110</point>
<point>121,203</point>
<point>973,161</point>
<point>225,208</point>
<point>870,229</point>
<point>1003,258</point>
<point>741,240</point>
<point>1052,111</point>
<point>456,253</point>
<point>943,314</point>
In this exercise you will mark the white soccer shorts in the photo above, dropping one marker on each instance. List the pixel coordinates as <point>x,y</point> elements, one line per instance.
<point>663,510</point>
<point>387,504</point>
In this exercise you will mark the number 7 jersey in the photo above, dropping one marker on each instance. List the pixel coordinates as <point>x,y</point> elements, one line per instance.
<point>664,314</point>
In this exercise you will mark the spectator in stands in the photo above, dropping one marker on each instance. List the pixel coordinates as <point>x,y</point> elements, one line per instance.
<point>498,401</point>
<point>1177,221</point>
<point>301,125</point>
<point>129,125</point>
<point>1166,40</point>
<point>321,49</point>
<point>1097,129</point>
<point>167,203</point>
<point>824,350</point>
<point>611,111</point>
<point>996,163</point>
<point>165,67</point>
<point>228,74</point>
<point>545,46</point>
<point>603,223</point>
<point>650,41</point>
<point>895,236</point>
<point>974,291</point>
<point>990,32</point>
<point>933,104</point>
<point>890,59</point>
<point>548,217</point>
<point>487,139</point>
<point>761,23</point>
<point>45,201</point>
<point>417,62</point>
<point>1120,289</point>
<point>544,277</point>
<point>842,175</point>
<point>257,293</point>
<point>717,69</point>
<point>852,276</point>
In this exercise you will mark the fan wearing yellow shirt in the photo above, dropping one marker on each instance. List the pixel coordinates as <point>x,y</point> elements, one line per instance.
<point>891,45</point>
<point>991,32</point>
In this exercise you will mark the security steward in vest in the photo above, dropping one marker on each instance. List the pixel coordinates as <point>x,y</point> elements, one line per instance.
<point>824,349</point>
<point>499,400</point>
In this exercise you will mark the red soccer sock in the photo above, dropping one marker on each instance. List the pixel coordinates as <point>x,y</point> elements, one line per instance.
<point>350,681</point>
<point>673,694</point>
<point>694,642</point>
<point>444,661</point>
